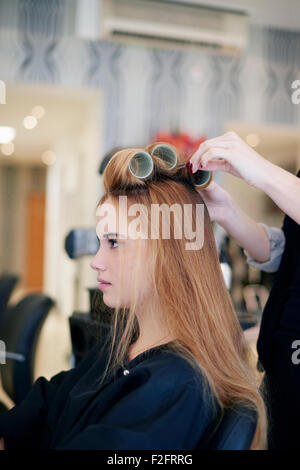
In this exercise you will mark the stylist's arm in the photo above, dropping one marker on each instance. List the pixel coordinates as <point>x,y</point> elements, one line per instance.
<point>2,446</point>
<point>231,154</point>
<point>247,233</point>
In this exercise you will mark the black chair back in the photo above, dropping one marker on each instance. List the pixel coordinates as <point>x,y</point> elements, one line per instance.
<point>20,331</point>
<point>7,284</point>
<point>235,432</point>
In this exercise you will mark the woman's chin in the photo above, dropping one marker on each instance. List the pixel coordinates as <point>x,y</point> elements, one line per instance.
<point>109,302</point>
<point>112,304</point>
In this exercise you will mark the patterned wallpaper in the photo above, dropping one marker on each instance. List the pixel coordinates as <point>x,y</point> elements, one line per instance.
<point>149,89</point>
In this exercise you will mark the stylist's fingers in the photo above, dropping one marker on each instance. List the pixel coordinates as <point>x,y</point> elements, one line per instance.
<point>224,141</point>
<point>215,165</point>
<point>220,165</point>
<point>201,161</point>
<point>209,149</point>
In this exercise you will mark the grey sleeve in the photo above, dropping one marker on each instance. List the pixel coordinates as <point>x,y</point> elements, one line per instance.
<point>277,244</point>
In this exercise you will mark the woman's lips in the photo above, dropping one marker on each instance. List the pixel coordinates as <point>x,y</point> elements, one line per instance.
<point>104,285</point>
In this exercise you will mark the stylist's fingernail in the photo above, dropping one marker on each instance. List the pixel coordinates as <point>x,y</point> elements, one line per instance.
<point>187,164</point>
<point>191,169</point>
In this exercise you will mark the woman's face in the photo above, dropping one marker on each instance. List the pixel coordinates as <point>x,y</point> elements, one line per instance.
<point>116,263</point>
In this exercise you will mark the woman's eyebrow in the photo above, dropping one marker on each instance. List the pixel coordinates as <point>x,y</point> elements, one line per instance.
<point>115,235</point>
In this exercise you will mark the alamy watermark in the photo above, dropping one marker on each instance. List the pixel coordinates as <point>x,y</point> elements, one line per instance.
<point>2,92</point>
<point>2,352</point>
<point>296,354</point>
<point>138,227</point>
<point>296,94</point>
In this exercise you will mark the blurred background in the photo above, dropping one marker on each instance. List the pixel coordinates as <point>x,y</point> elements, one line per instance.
<point>79,78</point>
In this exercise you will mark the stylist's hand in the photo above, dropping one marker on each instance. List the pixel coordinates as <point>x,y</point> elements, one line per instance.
<point>236,157</point>
<point>2,446</point>
<point>217,200</point>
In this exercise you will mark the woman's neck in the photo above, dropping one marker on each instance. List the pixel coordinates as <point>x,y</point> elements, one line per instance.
<point>152,333</point>
<point>139,347</point>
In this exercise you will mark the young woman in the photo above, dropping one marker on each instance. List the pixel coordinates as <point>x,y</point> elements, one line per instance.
<point>176,357</point>
<point>273,250</point>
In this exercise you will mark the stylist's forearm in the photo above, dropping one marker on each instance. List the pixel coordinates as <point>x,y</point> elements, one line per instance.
<point>247,233</point>
<point>284,189</point>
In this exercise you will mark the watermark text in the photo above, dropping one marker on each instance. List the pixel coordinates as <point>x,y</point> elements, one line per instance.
<point>296,94</point>
<point>138,227</point>
<point>2,92</point>
<point>296,354</point>
<point>2,352</point>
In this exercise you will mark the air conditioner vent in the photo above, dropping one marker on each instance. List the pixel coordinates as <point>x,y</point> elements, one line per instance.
<point>164,24</point>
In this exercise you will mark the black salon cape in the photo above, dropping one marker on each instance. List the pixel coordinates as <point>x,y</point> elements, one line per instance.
<point>277,345</point>
<point>158,405</point>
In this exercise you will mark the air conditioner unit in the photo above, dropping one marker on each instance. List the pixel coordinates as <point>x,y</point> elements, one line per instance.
<point>177,24</point>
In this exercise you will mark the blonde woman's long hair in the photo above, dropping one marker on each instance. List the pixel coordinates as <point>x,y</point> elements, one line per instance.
<point>191,292</point>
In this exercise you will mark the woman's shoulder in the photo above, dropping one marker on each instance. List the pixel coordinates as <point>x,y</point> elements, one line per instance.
<point>169,366</point>
<point>169,374</point>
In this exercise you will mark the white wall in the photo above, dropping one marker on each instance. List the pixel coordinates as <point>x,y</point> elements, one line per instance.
<point>72,189</point>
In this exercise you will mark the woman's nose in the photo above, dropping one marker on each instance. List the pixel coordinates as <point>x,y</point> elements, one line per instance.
<point>97,262</point>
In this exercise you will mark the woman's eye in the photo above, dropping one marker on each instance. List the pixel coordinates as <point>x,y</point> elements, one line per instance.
<point>111,241</point>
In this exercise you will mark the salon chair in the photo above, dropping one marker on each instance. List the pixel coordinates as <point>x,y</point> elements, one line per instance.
<point>84,332</point>
<point>87,327</point>
<point>21,328</point>
<point>7,284</point>
<point>235,432</point>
